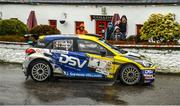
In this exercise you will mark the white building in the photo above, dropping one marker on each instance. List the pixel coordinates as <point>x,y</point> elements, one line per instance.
<point>75,11</point>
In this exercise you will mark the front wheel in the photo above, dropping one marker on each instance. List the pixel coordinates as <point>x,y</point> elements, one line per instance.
<point>130,75</point>
<point>40,70</point>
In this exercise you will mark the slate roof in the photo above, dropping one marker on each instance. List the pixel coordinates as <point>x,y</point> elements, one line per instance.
<point>135,2</point>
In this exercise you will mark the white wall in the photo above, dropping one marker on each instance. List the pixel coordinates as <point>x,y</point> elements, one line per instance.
<point>135,14</point>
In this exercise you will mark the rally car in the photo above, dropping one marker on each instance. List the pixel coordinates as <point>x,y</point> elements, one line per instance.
<point>85,56</point>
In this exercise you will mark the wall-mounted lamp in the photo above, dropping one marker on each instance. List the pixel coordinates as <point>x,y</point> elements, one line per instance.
<point>62,21</point>
<point>64,17</point>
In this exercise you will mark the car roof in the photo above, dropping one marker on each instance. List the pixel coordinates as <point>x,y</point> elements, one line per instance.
<point>49,38</point>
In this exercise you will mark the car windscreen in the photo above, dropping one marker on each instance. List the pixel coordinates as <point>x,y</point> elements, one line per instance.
<point>113,47</point>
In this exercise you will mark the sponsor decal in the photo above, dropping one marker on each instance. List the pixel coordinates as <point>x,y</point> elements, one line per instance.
<point>85,75</point>
<point>38,50</point>
<point>72,61</point>
<point>63,44</point>
<point>149,77</point>
<point>100,66</point>
<point>59,51</point>
<point>148,72</point>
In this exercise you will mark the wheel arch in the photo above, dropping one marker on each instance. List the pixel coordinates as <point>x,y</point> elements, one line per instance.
<point>39,59</point>
<point>120,68</point>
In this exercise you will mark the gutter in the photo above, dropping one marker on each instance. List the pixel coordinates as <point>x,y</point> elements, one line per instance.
<point>92,3</point>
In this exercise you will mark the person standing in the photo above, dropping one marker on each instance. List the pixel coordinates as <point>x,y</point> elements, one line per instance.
<point>81,29</point>
<point>109,31</point>
<point>123,26</point>
<point>117,35</point>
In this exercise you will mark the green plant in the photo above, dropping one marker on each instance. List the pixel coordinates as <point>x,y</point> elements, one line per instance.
<point>44,30</point>
<point>161,28</point>
<point>12,27</point>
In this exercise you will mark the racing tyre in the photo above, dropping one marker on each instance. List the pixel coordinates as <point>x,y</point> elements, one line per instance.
<point>130,75</point>
<point>40,70</point>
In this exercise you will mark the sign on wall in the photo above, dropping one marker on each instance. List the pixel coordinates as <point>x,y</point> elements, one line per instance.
<point>101,17</point>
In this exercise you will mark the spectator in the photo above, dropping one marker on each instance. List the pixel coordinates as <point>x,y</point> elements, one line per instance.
<point>109,31</point>
<point>117,35</point>
<point>123,26</point>
<point>81,29</point>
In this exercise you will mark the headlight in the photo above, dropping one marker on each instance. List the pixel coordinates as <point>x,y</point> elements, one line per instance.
<point>145,63</point>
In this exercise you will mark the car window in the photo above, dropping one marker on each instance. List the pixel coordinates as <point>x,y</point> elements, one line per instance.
<point>40,44</point>
<point>88,46</point>
<point>65,44</point>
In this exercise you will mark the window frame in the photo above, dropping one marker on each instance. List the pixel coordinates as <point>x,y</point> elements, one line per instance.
<point>108,52</point>
<point>50,44</point>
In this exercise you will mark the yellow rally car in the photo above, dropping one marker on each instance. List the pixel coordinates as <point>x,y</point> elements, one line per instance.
<point>85,56</point>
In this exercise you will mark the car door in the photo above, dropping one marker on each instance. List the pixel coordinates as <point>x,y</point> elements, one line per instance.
<point>65,58</point>
<point>99,59</point>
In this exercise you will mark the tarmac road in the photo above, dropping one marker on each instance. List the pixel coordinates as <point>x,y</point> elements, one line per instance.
<point>14,89</point>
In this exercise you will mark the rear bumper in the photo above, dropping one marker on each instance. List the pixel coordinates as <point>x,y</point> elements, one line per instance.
<point>25,67</point>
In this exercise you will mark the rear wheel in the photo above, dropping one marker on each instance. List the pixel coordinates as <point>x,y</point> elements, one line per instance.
<point>130,75</point>
<point>40,70</point>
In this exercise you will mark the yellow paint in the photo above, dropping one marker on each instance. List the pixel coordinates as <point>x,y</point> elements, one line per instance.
<point>118,58</point>
<point>42,38</point>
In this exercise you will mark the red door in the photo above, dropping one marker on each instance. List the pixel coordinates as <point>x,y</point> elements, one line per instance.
<point>101,27</point>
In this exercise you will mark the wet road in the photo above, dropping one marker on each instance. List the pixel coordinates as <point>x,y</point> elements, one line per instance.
<point>15,90</point>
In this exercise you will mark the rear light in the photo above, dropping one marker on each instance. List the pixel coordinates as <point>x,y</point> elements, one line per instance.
<point>30,51</point>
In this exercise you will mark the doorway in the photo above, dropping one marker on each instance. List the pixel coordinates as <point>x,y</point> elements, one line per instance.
<point>101,27</point>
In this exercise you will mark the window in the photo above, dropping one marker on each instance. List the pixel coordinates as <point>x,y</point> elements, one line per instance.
<point>90,47</point>
<point>77,24</point>
<point>66,44</point>
<point>40,44</point>
<point>53,23</point>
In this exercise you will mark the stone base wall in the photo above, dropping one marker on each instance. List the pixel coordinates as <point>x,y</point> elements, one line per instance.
<point>168,61</point>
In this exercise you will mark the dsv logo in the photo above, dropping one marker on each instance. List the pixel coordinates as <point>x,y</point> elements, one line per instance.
<point>72,61</point>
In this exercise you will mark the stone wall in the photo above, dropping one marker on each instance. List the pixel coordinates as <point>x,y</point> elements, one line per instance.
<point>168,61</point>
<point>13,53</point>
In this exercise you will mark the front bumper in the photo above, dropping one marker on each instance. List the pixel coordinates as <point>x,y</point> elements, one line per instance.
<point>148,76</point>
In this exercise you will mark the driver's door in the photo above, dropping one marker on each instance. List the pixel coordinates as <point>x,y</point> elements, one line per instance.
<point>100,60</point>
